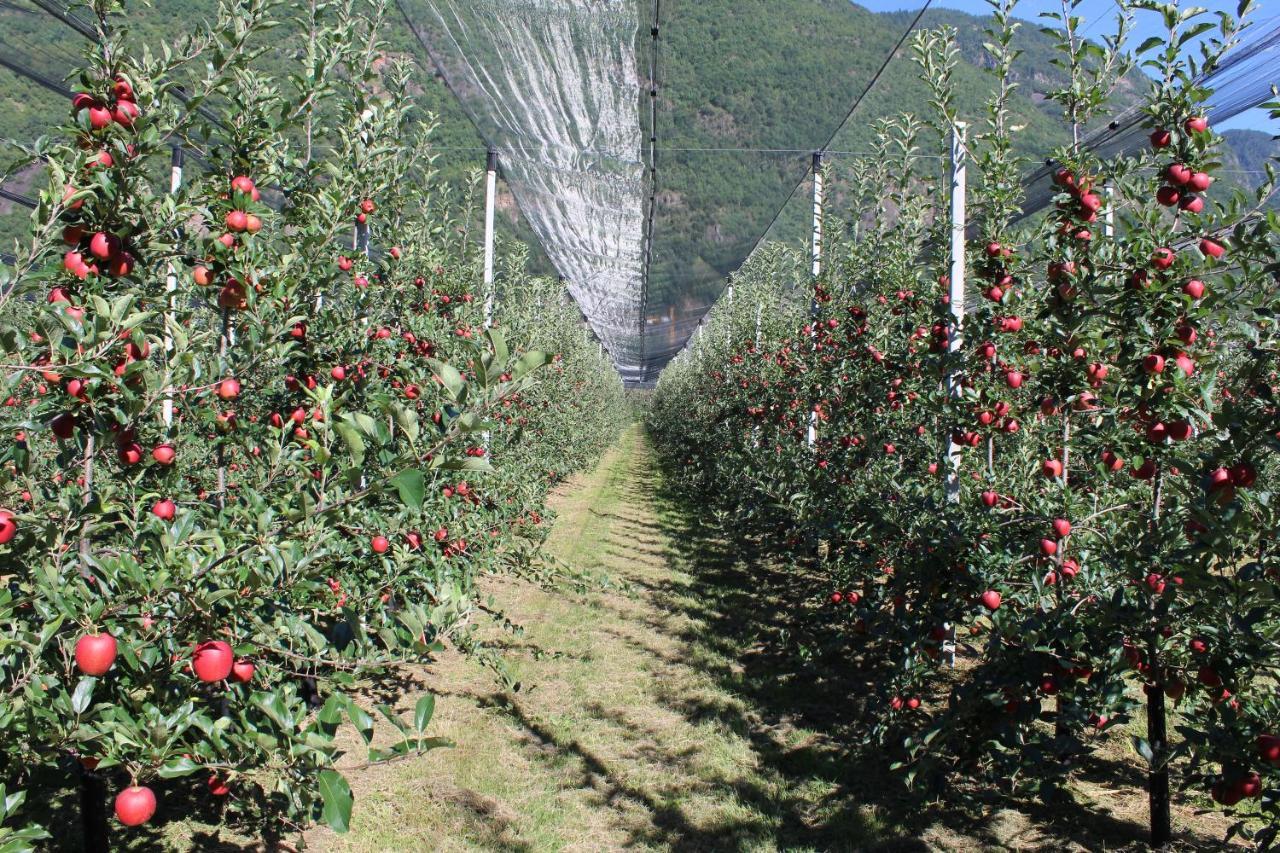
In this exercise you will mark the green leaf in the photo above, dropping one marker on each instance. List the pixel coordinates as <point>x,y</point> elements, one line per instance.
<point>529,362</point>
<point>336,794</point>
<point>362,720</point>
<point>407,420</point>
<point>449,377</point>
<point>353,441</point>
<point>412,487</point>
<point>1143,748</point>
<point>499,344</point>
<point>180,766</point>
<point>82,698</point>
<point>422,713</point>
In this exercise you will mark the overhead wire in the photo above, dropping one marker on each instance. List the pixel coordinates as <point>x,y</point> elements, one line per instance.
<point>875,78</point>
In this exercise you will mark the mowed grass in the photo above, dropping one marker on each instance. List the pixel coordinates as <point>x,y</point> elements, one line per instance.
<point>699,703</point>
<point>623,735</point>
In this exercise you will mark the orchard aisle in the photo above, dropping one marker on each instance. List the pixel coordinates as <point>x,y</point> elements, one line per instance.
<point>626,732</point>
<point>690,707</point>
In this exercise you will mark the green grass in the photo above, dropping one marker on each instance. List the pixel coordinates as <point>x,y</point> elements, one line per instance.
<point>671,710</point>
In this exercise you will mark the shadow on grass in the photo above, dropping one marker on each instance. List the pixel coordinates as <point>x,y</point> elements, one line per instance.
<point>749,620</point>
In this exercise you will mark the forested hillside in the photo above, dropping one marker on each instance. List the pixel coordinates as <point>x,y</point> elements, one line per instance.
<point>796,67</point>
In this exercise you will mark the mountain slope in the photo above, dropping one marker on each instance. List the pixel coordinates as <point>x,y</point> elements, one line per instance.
<point>734,75</point>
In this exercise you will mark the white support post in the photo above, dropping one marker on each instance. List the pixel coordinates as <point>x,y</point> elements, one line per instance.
<point>816,249</point>
<point>817,214</point>
<point>955,298</point>
<point>728,326</point>
<point>490,197</point>
<point>1109,216</point>
<point>955,292</point>
<point>759,316</point>
<point>171,288</point>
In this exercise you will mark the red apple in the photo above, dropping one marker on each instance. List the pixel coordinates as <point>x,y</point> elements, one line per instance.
<point>1145,471</point>
<point>1160,138</point>
<point>1243,474</point>
<point>229,389</point>
<point>1168,196</point>
<point>103,245</point>
<point>1178,174</point>
<point>1061,528</point>
<point>1196,124</point>
<point>1163,258</point>
<point>338,373</point>
<point>1191,204</point>
<point>1211,248</point>
<point>1013,379</point>
<point>217,787</point>
<point>1048,547</point>
<point>380,544</point>
<point>8,527</point>
<point>136,805</point>
<point>242,671</point>
<point>991,600</point>
<point>1051,468</point>
<point>1153,363</point>
<point>63,425</point>
<point>125,113</point>
<point>164,509</point>
<point>237,221</point>
<point>95,653</point>
<point>242,184</point>
<point>1194,288</point>
<point>99,116</point>
<point>163,454</point>
<point>1269,749</point>
<point>212,660</point>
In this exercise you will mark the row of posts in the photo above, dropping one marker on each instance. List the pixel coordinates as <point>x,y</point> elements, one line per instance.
<point>360,242</point>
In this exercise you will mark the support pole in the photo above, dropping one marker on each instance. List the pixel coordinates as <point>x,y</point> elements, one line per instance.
<point>955,292</point>
<point>816,248</point>
<point>817,214</point>
<point>490,197</point>
<point>759,316</point>
<point>955,299</point>
<point>728,326</point>
<point>171,288</point>
<point>1109,216</point>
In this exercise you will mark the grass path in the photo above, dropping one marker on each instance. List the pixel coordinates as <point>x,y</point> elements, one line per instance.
<point>671,713</point>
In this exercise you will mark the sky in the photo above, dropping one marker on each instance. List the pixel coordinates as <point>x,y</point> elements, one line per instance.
<point>1099,17</point>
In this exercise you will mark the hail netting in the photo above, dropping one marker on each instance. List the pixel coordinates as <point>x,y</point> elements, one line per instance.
<point>1241,81</point>
<point>553,85</point>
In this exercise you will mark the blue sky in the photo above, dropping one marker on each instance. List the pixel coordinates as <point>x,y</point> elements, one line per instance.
<point>1099,17</point>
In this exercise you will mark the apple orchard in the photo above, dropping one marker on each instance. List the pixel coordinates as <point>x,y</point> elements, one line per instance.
<point>246,466</point>
<point>1073,487</point>
<point>264,428</point>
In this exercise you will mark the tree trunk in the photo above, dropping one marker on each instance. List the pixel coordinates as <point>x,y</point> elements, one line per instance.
<point>1158,779</point>
<point>93,812</point>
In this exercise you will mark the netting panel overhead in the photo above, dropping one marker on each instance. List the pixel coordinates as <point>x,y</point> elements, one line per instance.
<point>554,86</point>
